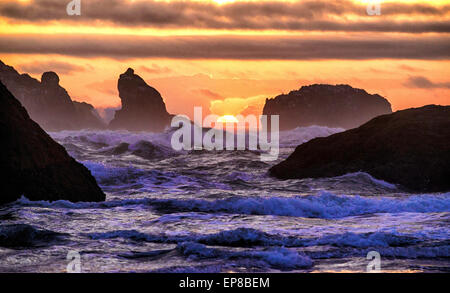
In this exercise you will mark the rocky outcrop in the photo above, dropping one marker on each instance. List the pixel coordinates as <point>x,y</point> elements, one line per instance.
<point>34,165</point>
<point>409,147</point>
<point>326,105</point>
<point>143,108</point>
<point>88,115</point>
<point>48,103</point>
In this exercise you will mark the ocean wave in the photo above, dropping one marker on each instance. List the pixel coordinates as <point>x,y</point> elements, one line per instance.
<point>323,205</point>
<point>23,201</point>
<point>143,149</point>
<point>145,254</point>
<point>360,240</point>
<point>108,138</point>
<point>111,138</point>
<point>150,151</point>
<point>274,257</point>
<point>191,269</point>
<point>249,237</point>
<point>23,235</point>
<point>112,175</point>
<point>409,252</point>
<point>362,176</point>
<point>120,177</point>
<point>149,146</point>
<point>240,237</point>
<point>283,251</point>
<point>299,135</point>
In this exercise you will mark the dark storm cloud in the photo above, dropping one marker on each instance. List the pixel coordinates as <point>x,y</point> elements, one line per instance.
<point>301,15</point>
<point>230,47</point>
<point>425,83</point>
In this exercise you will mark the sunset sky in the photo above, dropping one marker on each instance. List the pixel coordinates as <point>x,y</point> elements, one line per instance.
<point>228,56</point>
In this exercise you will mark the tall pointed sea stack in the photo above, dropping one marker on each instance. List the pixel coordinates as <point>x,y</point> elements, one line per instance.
<point>143,108</point>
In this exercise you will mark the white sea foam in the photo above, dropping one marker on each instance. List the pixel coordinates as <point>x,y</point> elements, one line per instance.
<point>112,138</point>
<point>322,205</point>
<point>288,138</point>
<point>23,201</point>
<point>370,178</point>
<point>299,135</point>
<point>108,174</point>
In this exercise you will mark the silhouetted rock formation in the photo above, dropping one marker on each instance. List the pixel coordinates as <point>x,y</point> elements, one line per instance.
<point>34,165</point>
<point>87,114</point>
<point>409,147</point>
<point>143,108</point>
<point>326,105</point>
<point>48,103</point>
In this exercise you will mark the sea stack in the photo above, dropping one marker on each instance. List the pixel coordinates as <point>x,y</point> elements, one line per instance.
<point>48,103</point>
<point>326,105</point>
<point>34,165</point>
<point>143,108</point>
<point>410,148</point>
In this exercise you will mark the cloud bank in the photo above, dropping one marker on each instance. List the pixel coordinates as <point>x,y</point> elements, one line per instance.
<point>317,15</point>
<point>230,47</point>
<point>425,83</point>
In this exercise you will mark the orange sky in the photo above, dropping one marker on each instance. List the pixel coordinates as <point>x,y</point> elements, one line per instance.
<point>228,57</point>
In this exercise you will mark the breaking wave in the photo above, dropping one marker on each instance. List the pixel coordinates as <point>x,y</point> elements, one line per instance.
<point>323,205</point>
<point>274,257</point>
<point>158,145</point>
<point>248,237</point>
<point>205,211</point>
<point>299,135</point>
<point>283,252</point>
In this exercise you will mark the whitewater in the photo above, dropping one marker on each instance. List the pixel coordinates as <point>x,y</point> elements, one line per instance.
<point>220,211</point>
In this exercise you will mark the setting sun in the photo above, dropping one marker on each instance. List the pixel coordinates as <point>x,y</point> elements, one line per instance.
<point>227,119</point>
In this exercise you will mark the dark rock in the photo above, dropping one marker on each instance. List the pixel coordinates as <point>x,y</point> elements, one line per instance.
<point>143,108</point>
<point>48,103</point>
<point>117,150</point>
<point>50,79</point>
<point>34,165</point>
<point>23,235</point>
<point>150,151</point>
<point>88,116</point>
<point>409,147</point>
<point>326,105</point>
<point>94,144</point>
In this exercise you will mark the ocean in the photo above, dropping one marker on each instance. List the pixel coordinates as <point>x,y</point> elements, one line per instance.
<point>220,211</point>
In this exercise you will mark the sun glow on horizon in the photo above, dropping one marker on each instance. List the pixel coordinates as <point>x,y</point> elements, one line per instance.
<point>227,119</point>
